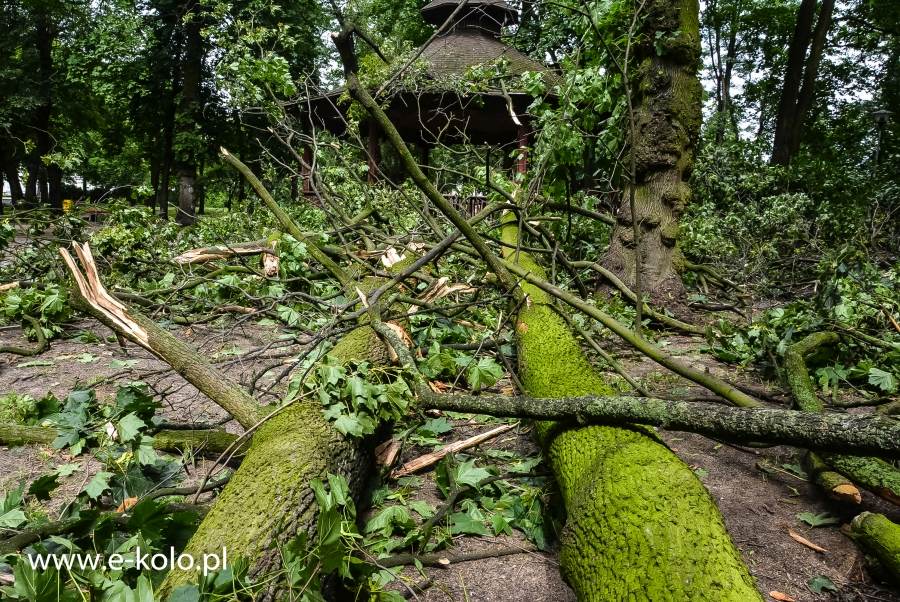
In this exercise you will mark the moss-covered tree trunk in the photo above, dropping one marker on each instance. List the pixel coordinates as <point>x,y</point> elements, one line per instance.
<point>640,525</point>
<point>268,501</point>
<point>666,99</point>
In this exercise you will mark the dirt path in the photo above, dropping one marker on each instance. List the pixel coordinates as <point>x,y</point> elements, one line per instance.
<point>757,491</point>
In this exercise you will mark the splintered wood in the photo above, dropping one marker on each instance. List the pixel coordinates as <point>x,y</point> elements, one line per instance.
<point>434,457</point>
<point>95,293</point>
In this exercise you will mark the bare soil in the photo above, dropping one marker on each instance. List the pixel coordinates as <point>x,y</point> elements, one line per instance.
<point>758,496</point>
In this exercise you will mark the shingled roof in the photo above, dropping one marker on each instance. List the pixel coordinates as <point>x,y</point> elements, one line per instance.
<point>450,56</point>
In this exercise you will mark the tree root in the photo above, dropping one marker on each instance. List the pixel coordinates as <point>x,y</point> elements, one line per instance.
<point>39,347</point>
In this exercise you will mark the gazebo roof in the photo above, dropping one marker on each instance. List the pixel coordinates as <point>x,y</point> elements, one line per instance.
<point>438,11</point>
<point>452,55</point>
<point>434,106</point>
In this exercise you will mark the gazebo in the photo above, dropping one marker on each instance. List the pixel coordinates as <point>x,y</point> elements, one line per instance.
<point>437,107</point>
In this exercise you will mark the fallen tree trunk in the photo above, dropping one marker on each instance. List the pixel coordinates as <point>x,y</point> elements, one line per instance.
<point>880,537</point>
<point>640,525</point>
<point>874,474</point>
<point>209,441</point>
<point>268,501</point>
<point>843,432</point>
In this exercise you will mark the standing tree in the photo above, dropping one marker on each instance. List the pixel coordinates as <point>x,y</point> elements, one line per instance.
<point>664,96</point>
<point>798,87</point>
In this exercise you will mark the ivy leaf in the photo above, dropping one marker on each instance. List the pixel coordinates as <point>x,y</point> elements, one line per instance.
<point>483,374</point>
<point>462,523</point>
<point>821,583</point>
<point>883,380</point>
<point>98,484</point>
<point>42,486</point>
<point>129,427</point>
<point>818,520</point>
<point>349,424</point>
<point>469,474</point>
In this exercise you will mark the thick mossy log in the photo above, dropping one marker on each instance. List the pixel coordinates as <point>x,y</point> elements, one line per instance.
<point>880,537</point>
<point>640,525</point>
<point>874,474</point>
<point>268,501</point>
<point>833,431</point>
<point>166,440</point>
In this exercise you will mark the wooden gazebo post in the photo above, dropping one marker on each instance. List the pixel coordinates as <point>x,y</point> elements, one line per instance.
<point>523,138</point>
<point>374,152</point>
<point>307,170</point>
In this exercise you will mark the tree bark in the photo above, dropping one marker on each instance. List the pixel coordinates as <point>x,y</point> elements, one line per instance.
<point>798,88</point>
<point>189,115</point>
<point>667,118</point>
<point>834,432</point>
<point>50,177</point>
<point>881,538</point>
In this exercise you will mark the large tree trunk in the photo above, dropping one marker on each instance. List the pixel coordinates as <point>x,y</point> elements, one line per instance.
<point>50,177</point>
<point>188,116</point>
<point>798,88</point>
<point>666,101</point>
<point>640,525</point>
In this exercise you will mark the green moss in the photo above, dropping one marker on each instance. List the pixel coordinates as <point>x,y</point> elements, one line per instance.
<point>268,500</point>
<point>640,524</point>
<point>880,537</point>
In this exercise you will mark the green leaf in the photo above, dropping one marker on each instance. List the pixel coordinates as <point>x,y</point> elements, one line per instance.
<point>98,484</point>
<point>883,380</point>
<point>86,358</point>
<point>35,363</point>
<point>483,374</point>
<point>349,424</point>
<point>435,426</point>
<point>818,520</point>
<point>12,519</point>
<point>821,583</point>
<point>123,364</point>
<point>129,427</point>
<point>422,508</point>
<point>468,474</point>
<point>42,486</point>
<point>462,523</point>
<point>388,519</point>
<point>185,593</point>
<point>65,470</point>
